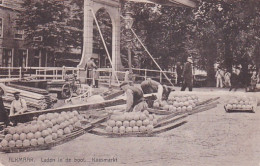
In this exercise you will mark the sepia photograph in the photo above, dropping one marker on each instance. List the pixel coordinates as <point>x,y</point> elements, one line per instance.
<point>130,82</point>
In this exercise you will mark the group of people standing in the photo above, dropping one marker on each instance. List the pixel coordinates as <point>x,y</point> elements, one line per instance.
<point>223,78</point>
<point>238,78</point>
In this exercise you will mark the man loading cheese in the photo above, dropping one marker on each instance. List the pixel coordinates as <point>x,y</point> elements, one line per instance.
<point>18,106</point>
<point>151,86</point>
<point>134,98</point>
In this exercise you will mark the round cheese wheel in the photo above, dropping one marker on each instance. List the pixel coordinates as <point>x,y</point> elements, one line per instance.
<point>9,137</point>
<point>119,123</point>
<point>54,136</point>
<point>38,134</point>
<point>132,123</point>
<point>122,129</point>
<point>136,116</point>
<point>146,122</point>
<point>189,108</point>
<point>146,112</point>
<point>16,137</point>
<point>115,129</point>
<point>34,128</point>
<point>109,129</point>
<point>40,141</point>
<point>4,143</point>
<point>34,142</point>
<point>49,116</point>
<point>129,130</point>
<point>184,108</point>
<point>49,130</point>
<point>135,129</point>
<point>11,143</point>
<point>56,115</point>
<point>75,112</point>
<point>29,136</point>
<point>139,123</point>
<point>142,129</point>
<point>26,143</point>
<point>142,116</point>
<point>48,139</point>
<point>11,130</point>
<point>45,133</point>
<point>18,143</point>
<point>126,123</point>
<point>67,130</point>
<point>111,123</point>
<point>41,118</point>
<point>60,133</point>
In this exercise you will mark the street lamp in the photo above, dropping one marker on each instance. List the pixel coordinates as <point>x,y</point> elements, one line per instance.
<point>128,25</point>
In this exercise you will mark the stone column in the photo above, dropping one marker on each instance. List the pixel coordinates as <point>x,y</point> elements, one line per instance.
<point>116,58</point>
<point>87,36</point>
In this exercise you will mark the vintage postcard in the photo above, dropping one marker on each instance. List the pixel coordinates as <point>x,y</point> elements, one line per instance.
<point>129,82</point>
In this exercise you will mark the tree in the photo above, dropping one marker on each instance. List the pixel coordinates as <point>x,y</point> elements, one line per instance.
<point>46,19</point>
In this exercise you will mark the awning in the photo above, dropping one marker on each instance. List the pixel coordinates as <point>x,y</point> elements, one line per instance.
<point>189,3</point>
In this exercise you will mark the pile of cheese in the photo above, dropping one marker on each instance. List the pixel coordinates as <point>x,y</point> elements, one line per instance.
<point>44,130</point>
<point>181,102</point>
<point>132,122</point>
<point>241,103</point>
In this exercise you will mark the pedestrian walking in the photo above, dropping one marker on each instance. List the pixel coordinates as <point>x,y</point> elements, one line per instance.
<point>227,77</point>
<point>235,79</point>
<point>218,76</point>
<point>187,75</point>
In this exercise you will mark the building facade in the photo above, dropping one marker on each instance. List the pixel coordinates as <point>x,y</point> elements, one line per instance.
<point>13,49</point>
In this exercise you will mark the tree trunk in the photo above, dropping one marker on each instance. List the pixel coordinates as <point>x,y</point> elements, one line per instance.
<point>228,56</point>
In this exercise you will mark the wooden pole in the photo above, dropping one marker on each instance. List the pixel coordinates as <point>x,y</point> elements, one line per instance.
<point>104,43</point>
<point>151,56</point>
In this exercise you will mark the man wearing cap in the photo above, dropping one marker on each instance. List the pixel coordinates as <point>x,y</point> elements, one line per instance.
<point>150,86</point>
<point>18,105</point>
<point>134,98</point>
<point>187,75</point>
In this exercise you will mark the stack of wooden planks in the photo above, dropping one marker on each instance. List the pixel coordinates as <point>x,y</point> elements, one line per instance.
<point>36,99</point>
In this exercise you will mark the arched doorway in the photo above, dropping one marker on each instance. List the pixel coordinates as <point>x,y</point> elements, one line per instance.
<point>90,8</point>
<point>99,52</point>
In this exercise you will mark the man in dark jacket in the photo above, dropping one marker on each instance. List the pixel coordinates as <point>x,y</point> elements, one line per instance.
<point>134,98</point>
<point>3,113</point>
<point>187,75</point>
<point>179,73</point>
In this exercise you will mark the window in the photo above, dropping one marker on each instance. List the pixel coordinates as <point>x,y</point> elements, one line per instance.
<point>1,27</point>
<point>22,58</point>
<point>19,34</point>
<point>37,38</point>
<point>7,57</point>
